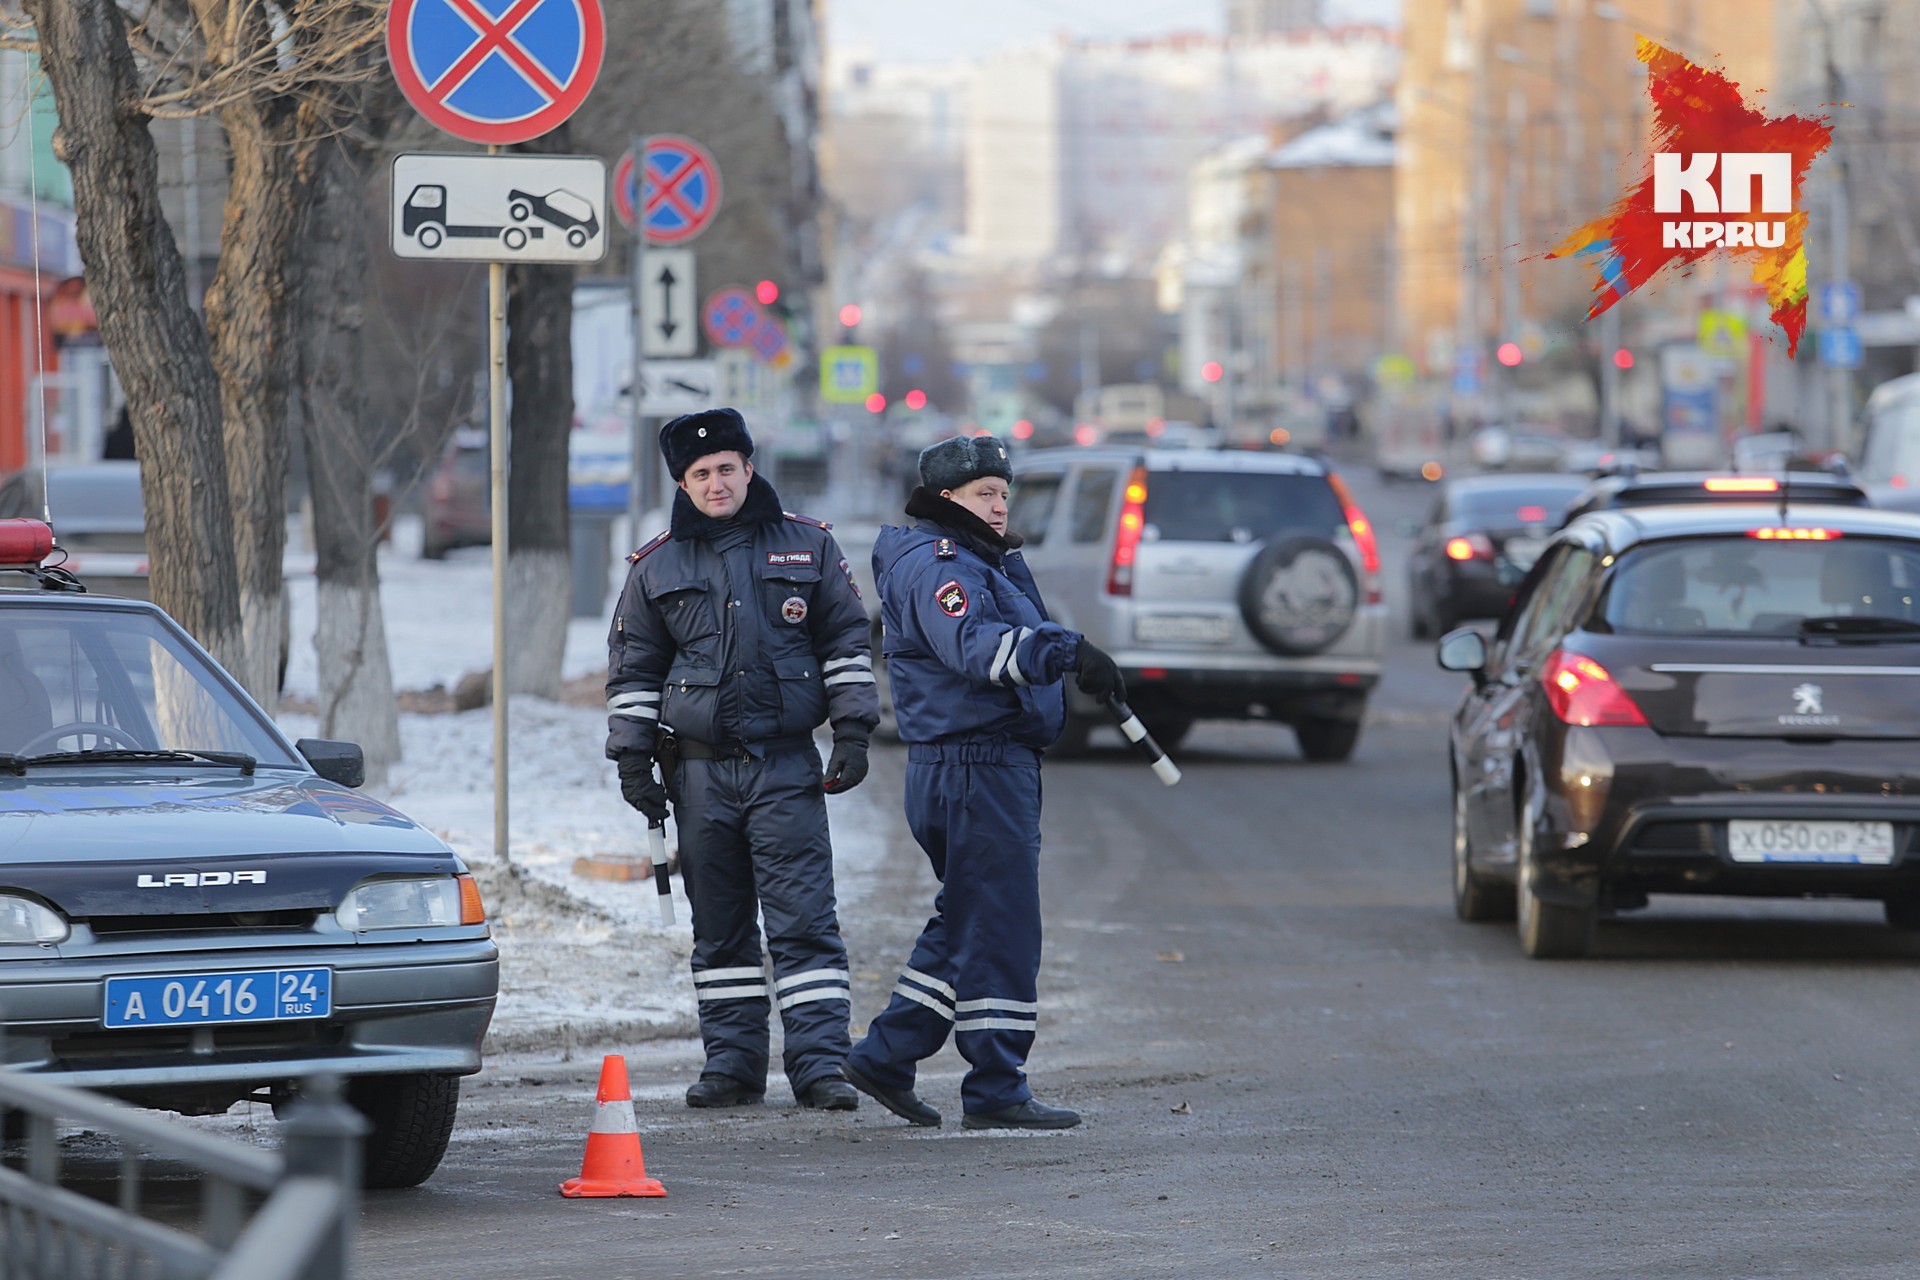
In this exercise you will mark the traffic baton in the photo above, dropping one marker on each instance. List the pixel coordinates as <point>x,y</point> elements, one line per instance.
<point>1136,733</point>
<point>657,846</point>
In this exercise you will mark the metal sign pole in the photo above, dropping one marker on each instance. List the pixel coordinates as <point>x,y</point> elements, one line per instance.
<point>497,433</point>
<point>639,474</point>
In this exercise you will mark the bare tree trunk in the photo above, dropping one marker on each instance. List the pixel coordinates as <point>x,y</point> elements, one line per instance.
<point>350,642</point>
<point>249,329</point>
<point>540,362</point>
<point>157,343</point>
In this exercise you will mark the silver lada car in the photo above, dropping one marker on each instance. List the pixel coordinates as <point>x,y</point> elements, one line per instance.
<point>194,911</point>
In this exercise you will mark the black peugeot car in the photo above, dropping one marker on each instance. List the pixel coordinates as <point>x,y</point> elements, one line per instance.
<point>1482,536</point>
<point>1693,700</point>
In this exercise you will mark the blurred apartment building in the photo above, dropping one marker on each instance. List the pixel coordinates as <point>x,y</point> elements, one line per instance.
<point>1271,17</point>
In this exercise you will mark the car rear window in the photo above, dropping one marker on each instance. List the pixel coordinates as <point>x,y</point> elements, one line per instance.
<point>1242,506</point>
<point>1745,585</point>
<point>1500,508</point>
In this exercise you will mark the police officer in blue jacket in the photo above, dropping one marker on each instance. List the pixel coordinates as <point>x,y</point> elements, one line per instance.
<point>739,631</point>
<point>976,671</point>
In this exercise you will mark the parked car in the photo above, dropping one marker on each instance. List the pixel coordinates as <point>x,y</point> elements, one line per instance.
<point>1482,536</point>
<point>1633,489</point>
<point>195,911</point>
<point>1889,460</point>
<point>458,509</point>
<point>99,515</point>
<point>1226,584</point>
<point>1693,700</point>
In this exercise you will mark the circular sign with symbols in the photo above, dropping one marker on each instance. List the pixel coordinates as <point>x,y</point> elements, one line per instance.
<point>625,190</point>
<point>732,317</point>
<point>679,189</point>
<point>769,341</point>
<point>495,71</point>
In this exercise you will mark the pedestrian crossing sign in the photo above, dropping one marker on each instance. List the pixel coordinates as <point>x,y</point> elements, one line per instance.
<point>848,375</point>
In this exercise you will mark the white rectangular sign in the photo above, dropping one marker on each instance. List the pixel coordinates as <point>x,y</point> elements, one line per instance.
<point>745,383</point>
<point>669,306</point>
<point>475,208</point>
<point>677,386</point>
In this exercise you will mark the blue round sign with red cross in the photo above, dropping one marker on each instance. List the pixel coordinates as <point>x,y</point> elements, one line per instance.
<point>679,189</point>
<point>732,316</point>
<point>495,71</point>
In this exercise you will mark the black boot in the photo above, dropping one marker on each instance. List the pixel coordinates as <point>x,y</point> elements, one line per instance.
<point>1031,1114</point>
<point>902,1102</point>
<point>829,1094</point>
<point>714,1090</point>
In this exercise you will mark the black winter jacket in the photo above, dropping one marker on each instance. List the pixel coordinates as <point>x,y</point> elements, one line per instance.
<point>738,631</point>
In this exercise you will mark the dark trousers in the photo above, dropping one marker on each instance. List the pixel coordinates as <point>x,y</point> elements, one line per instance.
<point>975,809</point>
<point>753,841</point>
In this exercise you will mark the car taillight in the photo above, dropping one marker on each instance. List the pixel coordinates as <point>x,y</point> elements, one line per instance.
<point>1794,535</point>
<point>1582,692</point>
<point>1362,530</point>
<point>1475,546</point>
<point>1133,518</point>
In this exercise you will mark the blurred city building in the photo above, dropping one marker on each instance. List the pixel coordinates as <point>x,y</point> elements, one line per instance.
<point>1271,17</point>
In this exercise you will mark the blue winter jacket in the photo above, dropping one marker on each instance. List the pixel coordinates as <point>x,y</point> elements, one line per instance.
<point>969,650</point>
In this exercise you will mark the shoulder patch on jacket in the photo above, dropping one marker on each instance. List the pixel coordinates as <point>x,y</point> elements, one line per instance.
<point>848,570</point>
<point>944,549</point>
<point>952,598</point>
<point>797,518</point>
<point>649,548</point>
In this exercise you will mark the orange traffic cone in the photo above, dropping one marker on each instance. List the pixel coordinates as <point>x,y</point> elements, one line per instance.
<point>613,1165</point>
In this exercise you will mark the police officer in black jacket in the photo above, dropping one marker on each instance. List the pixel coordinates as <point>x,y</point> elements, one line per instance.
<point>738,632</point>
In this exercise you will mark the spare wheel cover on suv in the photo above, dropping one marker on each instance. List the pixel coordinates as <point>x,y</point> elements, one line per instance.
<point>1299,595</point>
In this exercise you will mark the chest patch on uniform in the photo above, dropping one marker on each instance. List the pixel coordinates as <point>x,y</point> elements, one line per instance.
<point>952,599</point>
<point>794,610</point>
<point>789,557</point>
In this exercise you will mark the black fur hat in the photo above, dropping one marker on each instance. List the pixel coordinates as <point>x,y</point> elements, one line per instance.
<point>692,436</point>
<point>960,460</point>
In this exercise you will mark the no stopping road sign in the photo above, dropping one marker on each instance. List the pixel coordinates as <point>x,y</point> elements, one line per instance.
<point>495,71</point>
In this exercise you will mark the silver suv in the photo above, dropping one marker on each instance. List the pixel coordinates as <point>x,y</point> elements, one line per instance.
<point>1227,585</point>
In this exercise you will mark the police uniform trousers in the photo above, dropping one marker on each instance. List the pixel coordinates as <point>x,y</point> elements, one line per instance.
<point>753,834</point>
<point>975,808</point>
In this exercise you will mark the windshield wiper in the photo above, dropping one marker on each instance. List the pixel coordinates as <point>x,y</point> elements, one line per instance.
<point>1861,628</point>
<point>126,755</point>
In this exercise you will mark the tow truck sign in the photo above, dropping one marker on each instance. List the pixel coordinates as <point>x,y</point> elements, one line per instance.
<point>514,208</point>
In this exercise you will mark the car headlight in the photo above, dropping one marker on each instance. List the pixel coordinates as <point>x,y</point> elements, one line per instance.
<point>24,921</point>
<point>425,902</point>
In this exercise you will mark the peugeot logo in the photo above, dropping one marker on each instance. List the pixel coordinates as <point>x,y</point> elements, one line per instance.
<point>1806,700</point>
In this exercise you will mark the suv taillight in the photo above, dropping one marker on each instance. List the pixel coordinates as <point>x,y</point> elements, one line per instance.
<point>1133,516</point>
<point>1362,530</point>
<point>1582,692</point>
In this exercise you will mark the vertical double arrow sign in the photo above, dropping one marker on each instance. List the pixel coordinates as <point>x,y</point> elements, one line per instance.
<point>668,323</point>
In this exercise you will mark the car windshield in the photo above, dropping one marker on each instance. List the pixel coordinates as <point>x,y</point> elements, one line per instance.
<point>1501,508</point>
<point>74,679</point>
<point>1745,585</point>
<point>1238,506</point>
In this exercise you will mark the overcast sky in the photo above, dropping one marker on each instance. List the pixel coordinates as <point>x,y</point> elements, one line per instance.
<point>936,30</point>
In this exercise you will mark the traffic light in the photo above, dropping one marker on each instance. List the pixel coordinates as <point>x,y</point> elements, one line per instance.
<point>1623,359</point>
<point>915,399</point>
<point>1509,354</point>
<point>1213,371</point>
<point>850,316</point>
<point>767,292</point>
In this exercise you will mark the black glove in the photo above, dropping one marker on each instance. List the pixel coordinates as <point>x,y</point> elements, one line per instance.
<point>847,767</point>
<point>1096,674</point>
<point>641,789</point>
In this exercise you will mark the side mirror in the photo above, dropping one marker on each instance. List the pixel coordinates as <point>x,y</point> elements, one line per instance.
<point>1464,650</point>
<point>341,762</point>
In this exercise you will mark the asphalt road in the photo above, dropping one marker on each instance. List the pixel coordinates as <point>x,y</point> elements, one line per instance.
<point>1292,1060</point>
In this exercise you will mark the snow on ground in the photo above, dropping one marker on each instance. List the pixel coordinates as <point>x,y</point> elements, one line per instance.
<point>583,961</point>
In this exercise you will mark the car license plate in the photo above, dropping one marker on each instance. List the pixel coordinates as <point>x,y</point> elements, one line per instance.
<point>1183,628</point>
<point>249,995</point>
<point>1864,843</point>
<point>1522,552</point>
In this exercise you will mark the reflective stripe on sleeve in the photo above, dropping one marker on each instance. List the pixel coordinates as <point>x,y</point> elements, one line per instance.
<point>838,664</point>
<point>1014,673</point>
<point>639,705</point>
<point>850,677</point>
